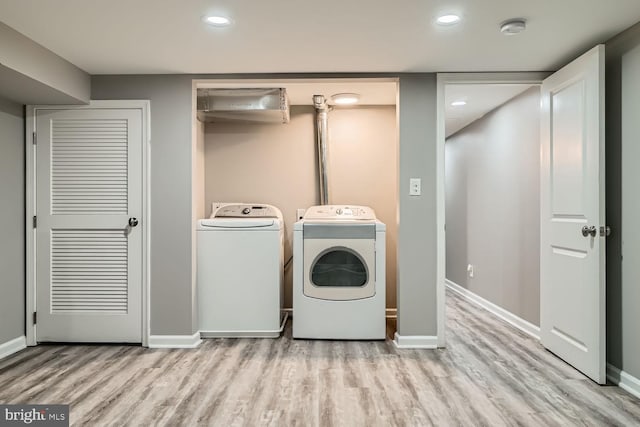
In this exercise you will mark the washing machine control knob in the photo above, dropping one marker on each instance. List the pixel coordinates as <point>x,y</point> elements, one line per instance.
<point>246,211</point>
<point>339,211</point>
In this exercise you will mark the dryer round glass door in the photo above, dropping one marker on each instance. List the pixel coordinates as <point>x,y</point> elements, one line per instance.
<point>339,269</point>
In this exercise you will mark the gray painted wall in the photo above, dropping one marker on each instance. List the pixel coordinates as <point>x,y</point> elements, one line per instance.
<point>172,293</point>
<point>623,200</point>
<point>492,184</point>
<point>12,253</point>
<point>417,215</point>
<point>32,74</point>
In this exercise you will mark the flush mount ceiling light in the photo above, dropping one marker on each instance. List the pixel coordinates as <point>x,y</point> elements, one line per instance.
<point>217,20</point>
<point>513,26</point>
<point>448,19</point>
<point>345,98</point>
<point>458,103</point>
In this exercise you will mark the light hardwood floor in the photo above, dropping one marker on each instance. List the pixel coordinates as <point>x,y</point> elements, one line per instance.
<point>490,375</point>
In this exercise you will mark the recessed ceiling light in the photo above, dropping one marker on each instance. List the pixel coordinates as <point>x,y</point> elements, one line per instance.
<point>345,98</point>
<point>217,21</point>
<point>449,19</point>
<point>458,103</point>
<point>513,26</point>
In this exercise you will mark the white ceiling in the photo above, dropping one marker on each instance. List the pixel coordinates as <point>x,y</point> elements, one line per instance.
<point>168,36</point>
<point>480,99</point>
<point>278,36</point>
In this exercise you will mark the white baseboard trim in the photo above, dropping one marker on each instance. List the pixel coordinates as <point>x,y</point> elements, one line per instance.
<point>10,347</point>
<point>507,316</point>
<point>623,380</point>
<point>175,341</point>
<point>415,341</point>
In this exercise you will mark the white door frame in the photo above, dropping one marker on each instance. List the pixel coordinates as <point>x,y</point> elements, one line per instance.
<point>30,211</point>
<point>443,79</point>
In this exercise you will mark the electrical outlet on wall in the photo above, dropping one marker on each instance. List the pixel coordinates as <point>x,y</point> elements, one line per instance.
<point>415,185</point>
<point>300,213</point>
<point>470,270</point>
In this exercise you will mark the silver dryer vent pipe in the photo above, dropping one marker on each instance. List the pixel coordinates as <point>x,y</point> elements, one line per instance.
<point>322,130</point>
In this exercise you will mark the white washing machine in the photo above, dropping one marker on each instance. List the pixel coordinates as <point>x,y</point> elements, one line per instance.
<point>339,274</point>
<point>240,256</point>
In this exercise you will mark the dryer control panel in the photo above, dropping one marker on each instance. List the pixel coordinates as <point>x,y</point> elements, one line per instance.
<point>341,212</point>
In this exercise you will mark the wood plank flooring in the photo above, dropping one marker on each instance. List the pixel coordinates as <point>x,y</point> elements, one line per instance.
<point>489,375</point>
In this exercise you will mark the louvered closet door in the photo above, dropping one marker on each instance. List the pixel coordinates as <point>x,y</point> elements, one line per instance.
<point>89,261</point>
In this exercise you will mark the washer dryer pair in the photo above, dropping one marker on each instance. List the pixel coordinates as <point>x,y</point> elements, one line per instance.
<point>339,274</point>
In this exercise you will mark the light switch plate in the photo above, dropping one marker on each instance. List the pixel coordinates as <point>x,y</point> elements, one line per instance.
<point>415,185</point>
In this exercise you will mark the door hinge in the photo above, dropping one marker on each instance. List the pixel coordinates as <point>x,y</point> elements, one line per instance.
<point>35,221</point>
<point>35,139</point>
<point>35,317</point>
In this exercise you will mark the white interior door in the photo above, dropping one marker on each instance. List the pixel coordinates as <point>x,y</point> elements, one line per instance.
<point>572,275</point>
<point>88,257</point>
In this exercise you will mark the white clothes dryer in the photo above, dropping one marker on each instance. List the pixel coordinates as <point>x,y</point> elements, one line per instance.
<point>240,271</point>
<point>339,274</point>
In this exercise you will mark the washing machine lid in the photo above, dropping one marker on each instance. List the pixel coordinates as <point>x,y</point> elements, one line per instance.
<point>340,213</point>
<point>228,223</point>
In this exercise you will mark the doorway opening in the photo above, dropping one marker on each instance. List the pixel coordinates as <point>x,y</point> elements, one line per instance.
<point>492,192</point>
<point>488,152</point>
